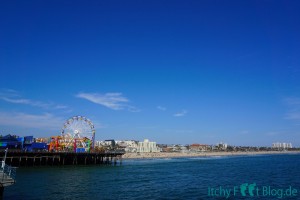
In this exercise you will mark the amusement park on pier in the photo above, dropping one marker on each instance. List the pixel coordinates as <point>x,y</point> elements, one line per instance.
<point>74,146</point>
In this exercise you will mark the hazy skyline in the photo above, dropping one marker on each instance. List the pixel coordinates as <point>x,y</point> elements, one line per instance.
<point>170,71</point>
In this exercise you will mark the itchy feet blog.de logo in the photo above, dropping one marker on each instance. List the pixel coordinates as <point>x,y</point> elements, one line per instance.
<point>252,190</point>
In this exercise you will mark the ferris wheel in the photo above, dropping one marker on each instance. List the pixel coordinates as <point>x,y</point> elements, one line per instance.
<point>79,128</point>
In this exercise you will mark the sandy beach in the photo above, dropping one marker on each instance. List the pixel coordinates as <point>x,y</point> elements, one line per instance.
<point>199,154</point>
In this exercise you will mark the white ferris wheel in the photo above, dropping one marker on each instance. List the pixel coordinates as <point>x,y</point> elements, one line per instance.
<point>79,128</point>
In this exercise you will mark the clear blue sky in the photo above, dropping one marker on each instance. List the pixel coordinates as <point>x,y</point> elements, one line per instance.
<point>170,71</point>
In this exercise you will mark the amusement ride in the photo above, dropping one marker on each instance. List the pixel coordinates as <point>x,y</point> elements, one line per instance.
<point>77,135</point>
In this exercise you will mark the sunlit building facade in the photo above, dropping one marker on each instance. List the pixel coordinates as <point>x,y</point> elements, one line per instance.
<point>147,147</point>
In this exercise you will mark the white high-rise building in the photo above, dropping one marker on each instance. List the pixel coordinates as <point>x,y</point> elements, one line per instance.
<point>147,147</point>
<point>222,145</point>
<point>282,145</point>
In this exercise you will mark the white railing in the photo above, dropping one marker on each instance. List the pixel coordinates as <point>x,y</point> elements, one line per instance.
<point>9,171</point>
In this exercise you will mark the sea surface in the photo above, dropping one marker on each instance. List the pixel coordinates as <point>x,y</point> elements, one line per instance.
<point>273,177</point>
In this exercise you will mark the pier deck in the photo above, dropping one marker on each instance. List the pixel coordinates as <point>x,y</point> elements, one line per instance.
<point>18,159</point>
<point>5,179</point>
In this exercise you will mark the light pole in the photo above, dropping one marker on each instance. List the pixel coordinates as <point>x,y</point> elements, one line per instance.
<point>3,161</point>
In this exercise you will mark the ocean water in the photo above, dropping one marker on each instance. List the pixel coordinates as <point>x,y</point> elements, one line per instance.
<point>273,177</point>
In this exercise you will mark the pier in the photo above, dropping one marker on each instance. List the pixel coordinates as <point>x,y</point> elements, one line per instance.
<point>22,159</point>
<point>7,175</point>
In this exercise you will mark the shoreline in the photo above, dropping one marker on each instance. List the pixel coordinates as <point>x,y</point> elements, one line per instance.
<point>199,154</point>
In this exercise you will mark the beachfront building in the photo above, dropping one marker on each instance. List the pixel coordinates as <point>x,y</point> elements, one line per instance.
<point>222,146</point>
<point>199,147</point>
<point>173,148</point>
<point>106,144</point>
<point>147,147</point>
<point>282,145</point>
<point>128,145</point>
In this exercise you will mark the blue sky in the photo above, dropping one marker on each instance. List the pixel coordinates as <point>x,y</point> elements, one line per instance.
<point>170,71</point>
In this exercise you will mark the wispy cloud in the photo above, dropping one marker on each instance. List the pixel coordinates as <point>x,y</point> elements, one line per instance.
<point>7,91</point>
<point>12,96</point>
<point>114,101</point>
<point>161,108</point>
<point>293,112</point>
<point>179,131</point>
<point>26,102</point>
<point>146,127</point>
<point>272,133</point>
<point>61,107</point>
<point>133,109</point>
<point>244,132</point>
<point>292,115</point>
<point>180,114</point>
<point>19,119</point>
<point>292,101</point>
